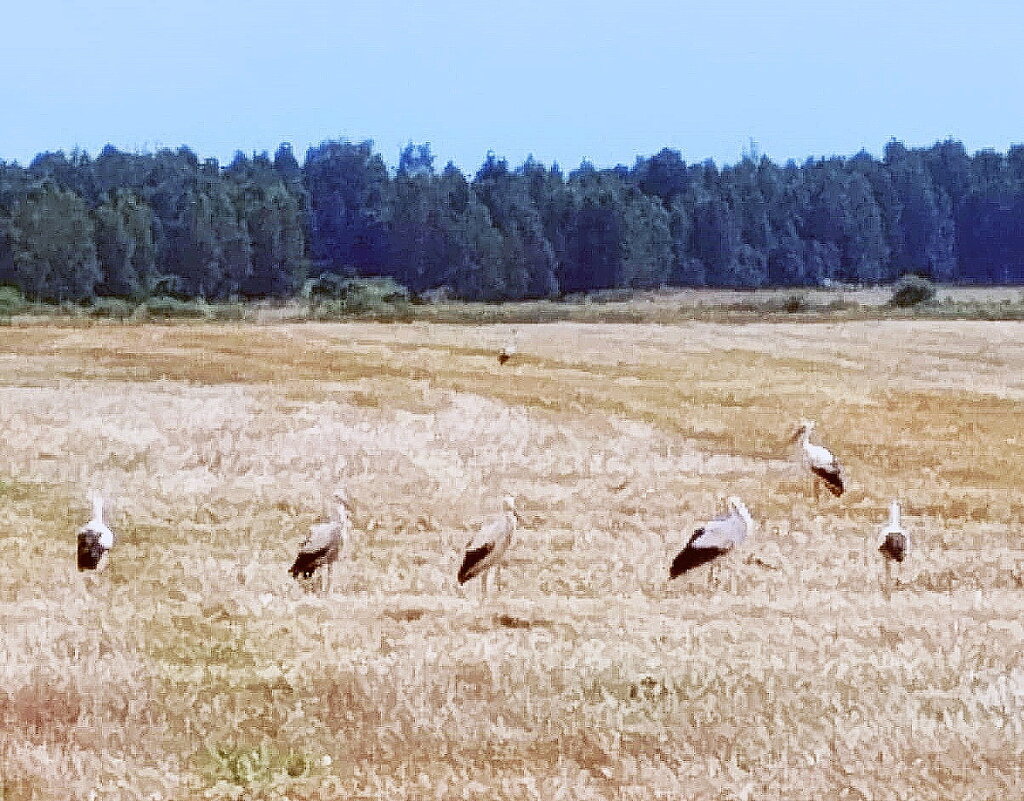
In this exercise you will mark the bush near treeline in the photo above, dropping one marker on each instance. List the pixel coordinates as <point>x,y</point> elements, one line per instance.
<point>171,226</point>
<point>912,290</point>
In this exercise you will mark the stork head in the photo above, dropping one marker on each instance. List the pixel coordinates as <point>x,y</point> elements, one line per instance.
<point>341,498</point>
<point>740,508</point>
<point>803,427</point>
<point>508,504</point>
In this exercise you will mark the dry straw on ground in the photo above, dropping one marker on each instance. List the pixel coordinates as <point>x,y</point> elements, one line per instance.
<point>195,668</point>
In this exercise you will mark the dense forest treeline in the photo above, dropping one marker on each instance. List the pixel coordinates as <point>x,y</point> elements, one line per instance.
<point>134,225</point>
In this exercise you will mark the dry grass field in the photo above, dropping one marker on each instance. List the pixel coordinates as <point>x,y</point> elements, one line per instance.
<point>195,668</point>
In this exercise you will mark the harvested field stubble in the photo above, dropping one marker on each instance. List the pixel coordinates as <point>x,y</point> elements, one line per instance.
<point>195,668</point>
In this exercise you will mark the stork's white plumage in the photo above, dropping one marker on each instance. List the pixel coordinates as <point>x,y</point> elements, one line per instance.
<point>487,548</point>
<point>893,540</point>
<point>95,539</point>
<point>820,460</point>
<point>326,544</point>
<point>715,538</point>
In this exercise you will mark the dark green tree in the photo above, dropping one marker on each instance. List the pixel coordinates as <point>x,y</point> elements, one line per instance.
<point>350,197</point>
<point>125,247</point>
<point>663,175</point>
<point>593,249</point>
<point>209,250</point>
<point>716,241</point>
<point>273,220</point>
<point>647,256</point>
<point>415,231</point>
<point>54,252</point>
<point>529,264</point>
<point>74,172</point>
<point>472,246</point>
<point>926,217</point>
<point>416,160</point>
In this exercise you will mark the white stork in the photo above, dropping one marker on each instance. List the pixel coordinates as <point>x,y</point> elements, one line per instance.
<point>326,543</point>
<point>822,463</point>
<point>715,538</point>
<point>508,350</point>
<point>95,539</point>
<point>893,541</point>
<point>487,548</point>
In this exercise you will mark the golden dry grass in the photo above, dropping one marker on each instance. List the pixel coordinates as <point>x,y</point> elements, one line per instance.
<point>195,668</point>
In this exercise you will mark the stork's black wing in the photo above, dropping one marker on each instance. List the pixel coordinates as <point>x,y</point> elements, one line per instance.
<point>473,558</point>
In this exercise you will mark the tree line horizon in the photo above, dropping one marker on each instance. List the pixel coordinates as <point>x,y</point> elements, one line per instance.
<point>135,225</point>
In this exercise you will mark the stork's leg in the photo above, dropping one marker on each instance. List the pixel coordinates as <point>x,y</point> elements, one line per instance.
<point>816,488</point>
<point>888,578</point>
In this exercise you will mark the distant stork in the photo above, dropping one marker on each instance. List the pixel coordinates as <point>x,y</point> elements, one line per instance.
<point>94,538</point>
<point>487,548</point>
<point>325,545</point>
<point>893,541</point>
<point>822,463</point>
<point>714,539</point>
<point>508,350</point>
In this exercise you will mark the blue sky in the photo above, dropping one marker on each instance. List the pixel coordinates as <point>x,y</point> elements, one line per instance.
<point>604,81</point>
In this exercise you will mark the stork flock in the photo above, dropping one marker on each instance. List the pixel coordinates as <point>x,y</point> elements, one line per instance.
<point>329,542</point>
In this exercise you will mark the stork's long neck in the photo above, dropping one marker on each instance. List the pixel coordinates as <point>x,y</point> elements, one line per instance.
<point>97,508</point>
<point>805,438</point>
<point>894,514</point>
<point>741,510</point>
